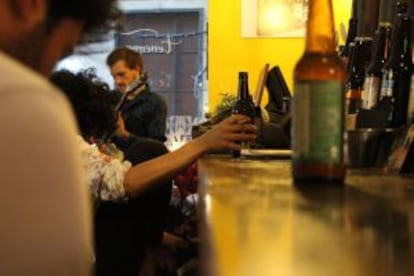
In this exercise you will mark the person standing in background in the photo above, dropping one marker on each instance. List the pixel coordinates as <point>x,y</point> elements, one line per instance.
<point>144,112</point>
<point>45,205</point>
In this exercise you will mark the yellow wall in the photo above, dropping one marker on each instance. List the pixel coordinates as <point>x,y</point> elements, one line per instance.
<point>228,53</point>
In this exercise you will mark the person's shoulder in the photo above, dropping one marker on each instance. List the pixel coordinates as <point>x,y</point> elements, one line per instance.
<point>33,98</point>
<point>28,90</point>
<point>156,97</point>
<point>18,78</point>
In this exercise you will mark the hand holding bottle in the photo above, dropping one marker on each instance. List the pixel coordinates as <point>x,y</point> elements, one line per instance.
<point>229,133</point>
<point>243,105</point>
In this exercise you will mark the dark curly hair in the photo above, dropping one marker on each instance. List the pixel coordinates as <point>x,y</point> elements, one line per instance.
<point>95,14</point>
<point>91,100</point>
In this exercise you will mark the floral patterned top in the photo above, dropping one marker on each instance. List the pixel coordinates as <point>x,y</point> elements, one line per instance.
<point>105,173</point>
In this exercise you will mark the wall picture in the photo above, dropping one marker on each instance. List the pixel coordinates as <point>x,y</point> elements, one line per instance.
<point>274,18</point>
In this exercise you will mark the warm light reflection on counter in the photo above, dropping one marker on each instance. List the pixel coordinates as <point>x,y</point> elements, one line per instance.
<point>259,224</point>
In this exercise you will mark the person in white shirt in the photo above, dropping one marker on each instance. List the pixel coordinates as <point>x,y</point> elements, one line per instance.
<point>45,204</point>
<point>45,210</point>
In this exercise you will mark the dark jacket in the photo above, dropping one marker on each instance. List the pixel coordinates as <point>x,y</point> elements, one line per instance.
<point>124,231</point>
<point>146,115</point>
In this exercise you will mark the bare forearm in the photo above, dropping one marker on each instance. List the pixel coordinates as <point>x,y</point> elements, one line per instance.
<point>144,175</point>
<point>226,134</point>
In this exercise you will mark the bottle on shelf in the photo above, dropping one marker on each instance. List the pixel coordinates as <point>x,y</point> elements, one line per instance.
<point>350,54</point>
<point>396,75</point>
<point>345,52</point>
<point>380,54</point>
<point>244,103</point>
<point>367,14</point>
<point>411,101</point>
<point>318,103</point>
<point>355,80</point>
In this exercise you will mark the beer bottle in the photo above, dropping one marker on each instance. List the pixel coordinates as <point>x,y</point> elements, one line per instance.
<point>355,80</point>
<point>244,103</point>
<point>318,102</point>
<point>345,54</point>
<point>411,101</point>
<point>396,76</point>
<point>380,55</point>
<point>372,82</point>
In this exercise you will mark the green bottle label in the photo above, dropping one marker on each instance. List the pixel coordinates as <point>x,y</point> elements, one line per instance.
<point>317,122</point>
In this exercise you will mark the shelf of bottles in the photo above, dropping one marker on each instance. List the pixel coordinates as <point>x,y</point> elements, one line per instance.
<point>378,56</point>
<point>379,65</point>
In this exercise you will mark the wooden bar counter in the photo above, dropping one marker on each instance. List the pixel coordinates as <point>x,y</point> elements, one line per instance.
<point>255,222</point>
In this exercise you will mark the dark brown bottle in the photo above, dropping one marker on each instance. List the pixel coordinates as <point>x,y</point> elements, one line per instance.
<point>411,102</point>
<point>381,52</point>
<point>355,79</point>
<point>345,54</point>
<point>372,82</point>
<point>244,104</point>
<point>318,103</point>
<point>348,56</point>
<point>367,15</point>
<point>396,77</point>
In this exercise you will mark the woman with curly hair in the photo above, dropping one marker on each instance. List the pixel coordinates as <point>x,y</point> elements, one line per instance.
<point>134,198</point>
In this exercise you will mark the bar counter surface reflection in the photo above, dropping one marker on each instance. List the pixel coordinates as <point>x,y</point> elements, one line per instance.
<point>254,221</point>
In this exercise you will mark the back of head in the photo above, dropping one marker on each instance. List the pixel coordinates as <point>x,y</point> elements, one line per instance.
<point>29,29</point>
<point>95,14</point>
<point>132,58</point>
<point>91,101</point>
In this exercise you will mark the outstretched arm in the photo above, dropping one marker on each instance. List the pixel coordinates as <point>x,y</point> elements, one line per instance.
<point>226,134</point>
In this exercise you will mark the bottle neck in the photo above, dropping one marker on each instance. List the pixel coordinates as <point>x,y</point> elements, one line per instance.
<point>320,28</point>
<point>401,42</point>
<point>352,31</point>
<point>243,89</point>
<point>359,62</point>
<point>356,69</point>
<point>381,49</point>
<point>354,13</point>
<point>387,41</point>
